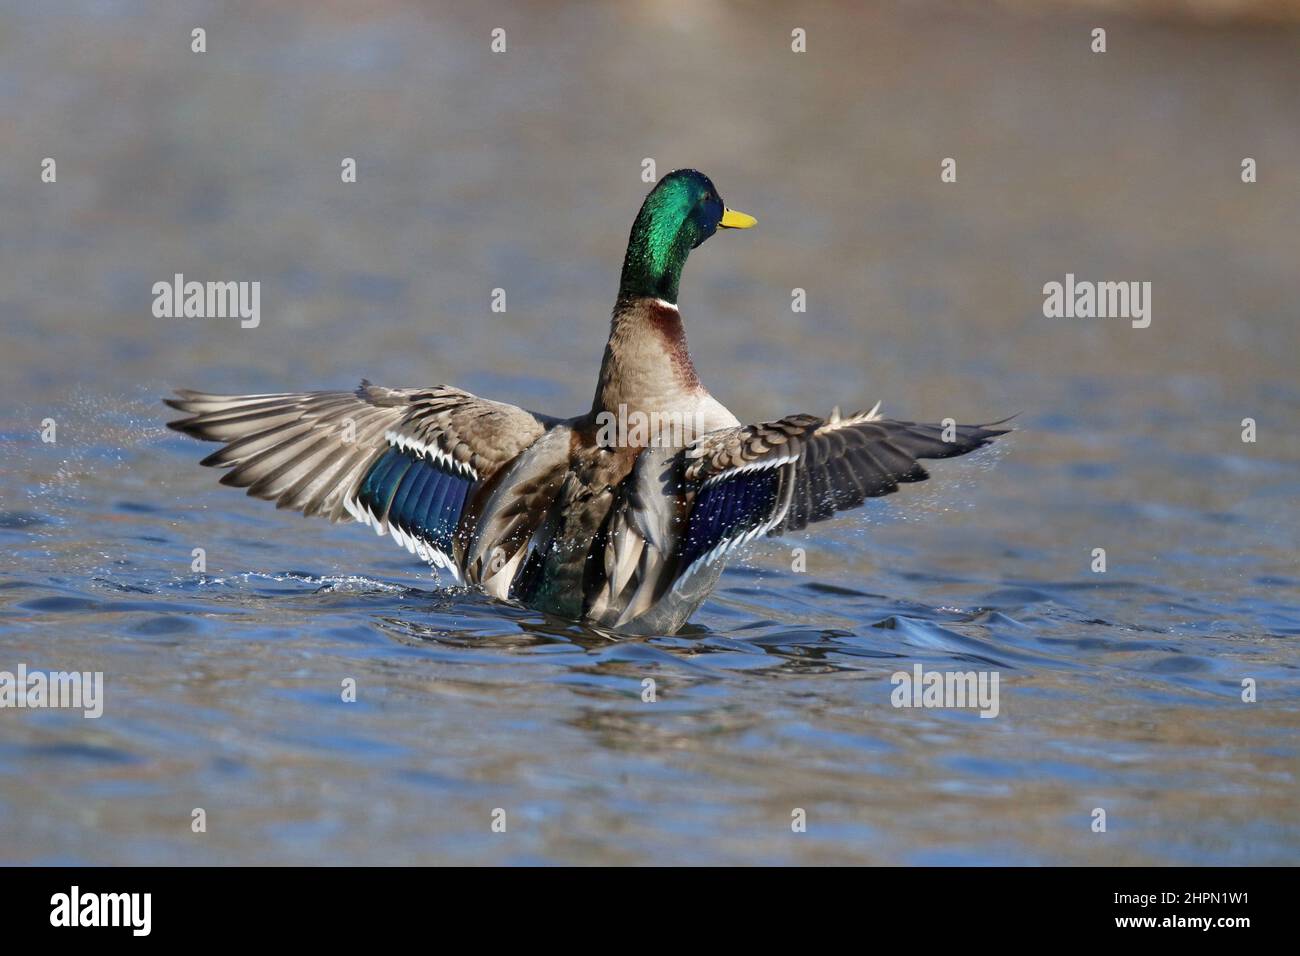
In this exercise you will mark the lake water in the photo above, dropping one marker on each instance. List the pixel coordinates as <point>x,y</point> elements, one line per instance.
<point>1120,691</point>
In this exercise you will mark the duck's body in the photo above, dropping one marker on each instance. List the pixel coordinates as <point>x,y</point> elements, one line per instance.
<point>625,527</point>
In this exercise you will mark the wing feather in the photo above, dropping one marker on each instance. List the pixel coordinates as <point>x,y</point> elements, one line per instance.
<point>824,466</point>
<point>322,453</point>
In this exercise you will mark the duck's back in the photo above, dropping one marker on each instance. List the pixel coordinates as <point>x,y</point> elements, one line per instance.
<point>580,529</point>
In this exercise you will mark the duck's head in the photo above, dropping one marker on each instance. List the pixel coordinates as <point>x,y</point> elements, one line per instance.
<point>681,212</point>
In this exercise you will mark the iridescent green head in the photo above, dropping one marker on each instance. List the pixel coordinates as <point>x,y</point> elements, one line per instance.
<point>681,211</point>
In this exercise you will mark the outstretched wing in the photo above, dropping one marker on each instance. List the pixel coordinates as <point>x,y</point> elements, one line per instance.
<point>680,513</point>
<point>780,476</point>
<point>403,460</point>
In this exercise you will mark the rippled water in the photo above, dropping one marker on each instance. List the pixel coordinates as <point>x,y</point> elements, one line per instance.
<point>1119,691</point>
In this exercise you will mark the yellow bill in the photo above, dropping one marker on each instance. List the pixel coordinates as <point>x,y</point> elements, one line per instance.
<point>731,219</point>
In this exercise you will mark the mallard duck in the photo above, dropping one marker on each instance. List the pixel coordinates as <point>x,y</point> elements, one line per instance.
<point>625,528</point>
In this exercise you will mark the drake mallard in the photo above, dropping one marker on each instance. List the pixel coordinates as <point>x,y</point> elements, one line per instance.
<point>598,518</point>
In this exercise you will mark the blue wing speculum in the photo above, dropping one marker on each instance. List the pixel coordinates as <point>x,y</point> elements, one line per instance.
<point>419,501</point>
<point>729,513</point>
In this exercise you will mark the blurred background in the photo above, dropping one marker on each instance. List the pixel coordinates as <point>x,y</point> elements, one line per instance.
<point>522,170</point>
